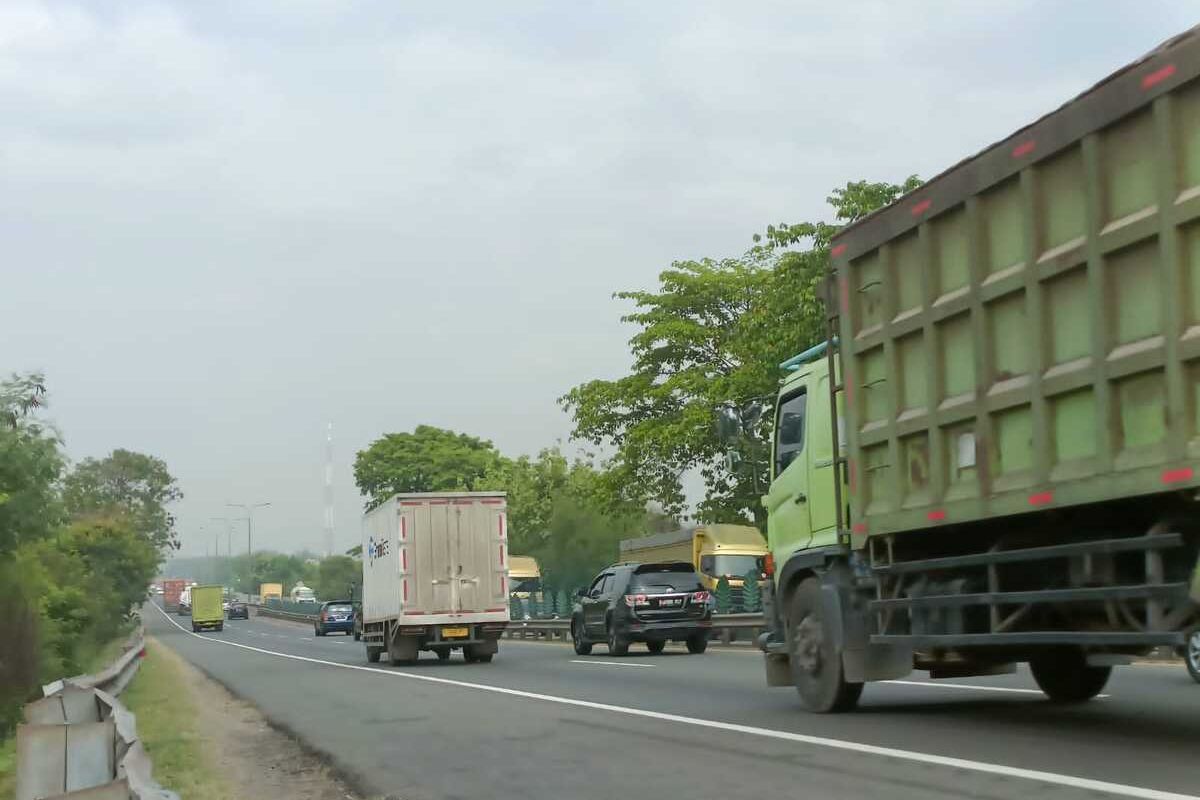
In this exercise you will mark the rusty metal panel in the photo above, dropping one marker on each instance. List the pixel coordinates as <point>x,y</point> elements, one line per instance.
<point>41,761</point>
<point>90,748</point>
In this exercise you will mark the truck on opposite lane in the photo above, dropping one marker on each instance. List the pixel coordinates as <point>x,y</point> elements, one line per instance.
<point>995,456</point>
<point>435,576</point>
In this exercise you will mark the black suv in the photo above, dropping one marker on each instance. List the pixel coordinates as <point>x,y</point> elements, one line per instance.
<point>651,603</point>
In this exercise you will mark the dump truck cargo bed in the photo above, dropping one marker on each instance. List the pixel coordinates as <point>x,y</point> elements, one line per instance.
<point>1023,332</point>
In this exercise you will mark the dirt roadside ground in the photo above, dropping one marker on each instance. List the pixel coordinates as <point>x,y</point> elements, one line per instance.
<point>254,759</point>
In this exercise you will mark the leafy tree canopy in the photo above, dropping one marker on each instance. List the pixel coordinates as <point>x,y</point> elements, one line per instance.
<point>31,464</point>
<point>711,337</point>
<point>125,482</point>
<point>427,460</point>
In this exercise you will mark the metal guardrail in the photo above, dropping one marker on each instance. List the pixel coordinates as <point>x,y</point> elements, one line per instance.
<point>727,628</point>
<point>79,741</point>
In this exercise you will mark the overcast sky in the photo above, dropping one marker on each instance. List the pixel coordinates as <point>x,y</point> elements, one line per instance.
<point>225,224</point>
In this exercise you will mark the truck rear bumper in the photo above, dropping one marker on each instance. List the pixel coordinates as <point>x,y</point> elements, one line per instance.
<point>432,636</point>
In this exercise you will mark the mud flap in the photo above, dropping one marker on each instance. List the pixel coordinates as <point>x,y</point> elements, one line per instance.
<point>846,626</point>
<point>779,669</point>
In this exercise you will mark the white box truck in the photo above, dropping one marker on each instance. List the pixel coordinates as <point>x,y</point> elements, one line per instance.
<point>435,576</point>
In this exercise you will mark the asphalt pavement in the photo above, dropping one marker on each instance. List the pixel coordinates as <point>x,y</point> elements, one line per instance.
<point>541,722</point>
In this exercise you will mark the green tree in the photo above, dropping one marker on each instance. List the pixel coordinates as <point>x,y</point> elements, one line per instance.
<point>133,484</point>
<point>723,595</point>
<point>751,593</point>
<point>338,577</point>
<point>709,339</point>
<point>31,464</point>
<point>427,460</point>
<point>118,559</point>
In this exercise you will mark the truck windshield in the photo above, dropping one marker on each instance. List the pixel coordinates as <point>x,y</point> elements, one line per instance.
<point>730,565</point>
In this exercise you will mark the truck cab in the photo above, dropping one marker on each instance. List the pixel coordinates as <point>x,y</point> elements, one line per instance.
<point>801,501</point>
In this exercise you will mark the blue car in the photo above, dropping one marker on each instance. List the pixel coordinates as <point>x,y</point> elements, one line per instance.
<point>335,615</point>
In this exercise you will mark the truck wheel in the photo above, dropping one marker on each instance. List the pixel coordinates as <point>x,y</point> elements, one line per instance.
<point>443,653</point>
<point>656,647</point>
<point>1065,677</point>
<point>195,628</point>
<point>582,646</point>
<point>373,653</point>
<point>816,665</point>
<point>357,636</point>
<point>617,644</point>
<point>401,654</point>
<point>1192,654</point>
<point>697,643</point>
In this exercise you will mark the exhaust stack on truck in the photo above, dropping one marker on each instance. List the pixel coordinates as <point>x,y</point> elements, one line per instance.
<point>435,576</point>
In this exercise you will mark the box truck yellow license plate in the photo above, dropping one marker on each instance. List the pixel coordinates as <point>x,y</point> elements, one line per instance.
<point>454,633</point>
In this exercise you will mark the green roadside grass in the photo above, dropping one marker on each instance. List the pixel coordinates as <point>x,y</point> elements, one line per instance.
<point>167,727</point>
<point>8,768</point>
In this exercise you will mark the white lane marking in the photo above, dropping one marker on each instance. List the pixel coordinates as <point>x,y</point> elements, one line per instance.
<point>976,687</point>
<point>1087,784</point>
<point>608,663</point>
<point>306,638</point>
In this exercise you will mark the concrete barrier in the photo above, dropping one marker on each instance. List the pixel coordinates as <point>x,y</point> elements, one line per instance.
<point>79,742</point>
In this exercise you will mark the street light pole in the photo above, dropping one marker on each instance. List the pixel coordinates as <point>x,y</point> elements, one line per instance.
<point>228,533</point>
<point>249,509</point>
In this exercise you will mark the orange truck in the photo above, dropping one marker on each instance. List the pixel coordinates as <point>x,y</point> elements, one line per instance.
<point>172,588</point>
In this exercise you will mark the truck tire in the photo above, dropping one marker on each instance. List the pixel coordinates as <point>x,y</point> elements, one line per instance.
<point>582,646</point>
<point>656,646</point>
<point>697,643</point>
<point>1191,654</point>
<point>402,654</point>
<point>373,653</point>
<point>1064,676</point>
<point>816,664</point>
<point>443,653</point>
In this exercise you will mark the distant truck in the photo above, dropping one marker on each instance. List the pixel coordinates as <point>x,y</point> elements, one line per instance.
<point>994,457</point>
<point>434,576</point>
<point>269,591</point>
<point>302,594</point>
<point>207,610</point>
<point>714,551</point>
<point>525,581</point>
<point>172,588</point>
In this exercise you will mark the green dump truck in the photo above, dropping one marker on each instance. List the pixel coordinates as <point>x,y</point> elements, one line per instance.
<point>1004,465</point>
<point>207,610</point>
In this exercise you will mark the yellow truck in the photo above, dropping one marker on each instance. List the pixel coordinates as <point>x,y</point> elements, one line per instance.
<point>207,611</point>
<point>524,581</point>
<point>716,551</point>
<point>268,591</point>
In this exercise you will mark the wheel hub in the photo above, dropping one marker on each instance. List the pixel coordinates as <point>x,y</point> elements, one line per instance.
<point>1193,650</point>
<point>807,645</point>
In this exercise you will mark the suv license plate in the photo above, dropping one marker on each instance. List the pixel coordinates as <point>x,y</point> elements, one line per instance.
<point>454,633</point>
<point>671,603</point>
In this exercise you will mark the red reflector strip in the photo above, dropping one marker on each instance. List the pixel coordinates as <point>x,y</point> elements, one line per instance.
<point>492,501</point>
<point>439,502</point>
<point>500,525</point>
<point>936,516</point>
<point>1024,149</point>
<point>490,610</point>
<point>860,527</point>
<point>921,207</point>
<point>837,250</point>
<point>844,286</point>
<point>403,528</point>
<point>1158,76</point>
<point>411,503</point>
<point>464,502</point>
<point>502,554</point>
<point>404,585</point>
<point>1177,475</point>
<point>1041,498</point>
<point>403,558</point>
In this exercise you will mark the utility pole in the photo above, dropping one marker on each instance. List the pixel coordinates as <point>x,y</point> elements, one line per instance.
<point>228,534</point>
<point>329,490</point>
<point>249,509</point>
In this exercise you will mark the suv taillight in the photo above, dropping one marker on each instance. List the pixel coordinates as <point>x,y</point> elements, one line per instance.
<point>699,597</point>
<point>634,600</point>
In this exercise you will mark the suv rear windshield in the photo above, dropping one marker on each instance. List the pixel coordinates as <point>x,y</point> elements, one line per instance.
<point>340,608</point>
<point>665,582</point>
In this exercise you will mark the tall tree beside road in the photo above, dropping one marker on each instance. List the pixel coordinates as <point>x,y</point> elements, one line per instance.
<point>338,578</point>
<point>710,338</point>
<point>427,460</point>
<point>125,482</point>
<point>31,464</point>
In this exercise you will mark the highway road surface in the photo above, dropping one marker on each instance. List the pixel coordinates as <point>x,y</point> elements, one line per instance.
<point>541,722</point>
